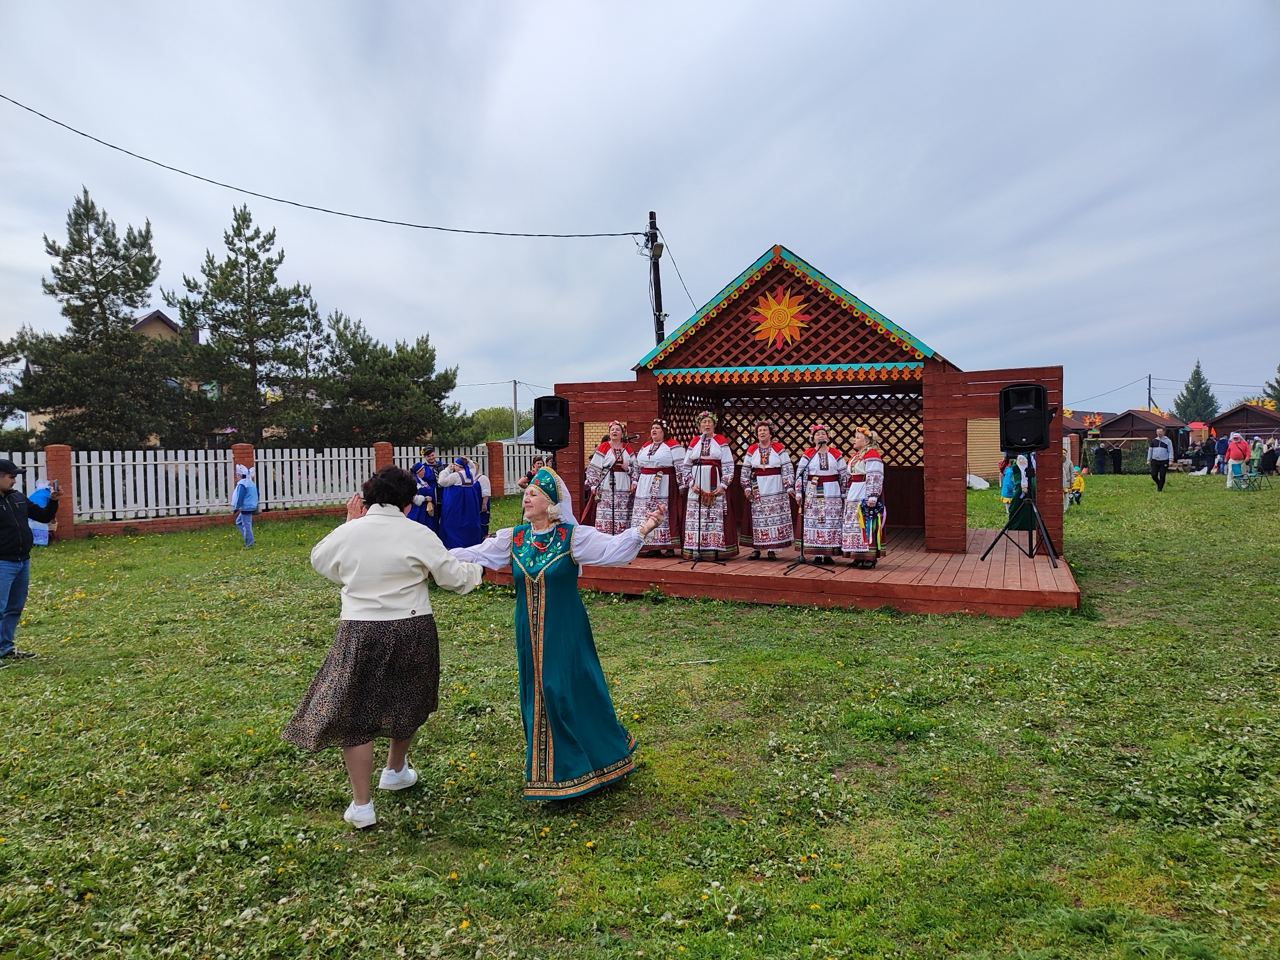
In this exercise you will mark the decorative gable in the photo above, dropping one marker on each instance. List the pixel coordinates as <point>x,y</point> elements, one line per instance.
<point>781,320</point>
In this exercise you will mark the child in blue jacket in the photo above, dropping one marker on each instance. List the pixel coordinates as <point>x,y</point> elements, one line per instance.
<point>244,503</point>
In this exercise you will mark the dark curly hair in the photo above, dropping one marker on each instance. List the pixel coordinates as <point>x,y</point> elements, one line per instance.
<point>392,485</point>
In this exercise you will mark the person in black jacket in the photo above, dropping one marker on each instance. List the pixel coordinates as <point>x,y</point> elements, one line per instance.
<point>15,554</point>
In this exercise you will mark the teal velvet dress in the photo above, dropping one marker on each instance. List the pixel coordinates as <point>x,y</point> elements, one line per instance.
<point>574,741</point>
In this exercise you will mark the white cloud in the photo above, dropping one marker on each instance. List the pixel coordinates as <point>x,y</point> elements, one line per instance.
<point>1014,183</point>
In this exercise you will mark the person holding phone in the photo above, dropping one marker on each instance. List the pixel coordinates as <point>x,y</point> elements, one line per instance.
<point>15,554</point>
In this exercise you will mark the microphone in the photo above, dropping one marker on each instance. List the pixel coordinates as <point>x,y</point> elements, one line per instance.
<point>630,437</point>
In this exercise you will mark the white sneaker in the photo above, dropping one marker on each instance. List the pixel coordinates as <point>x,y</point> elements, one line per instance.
<point>360,816</point>
<point>398,779</point>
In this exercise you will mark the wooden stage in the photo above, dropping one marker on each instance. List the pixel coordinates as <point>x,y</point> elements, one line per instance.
<point>908,578</point>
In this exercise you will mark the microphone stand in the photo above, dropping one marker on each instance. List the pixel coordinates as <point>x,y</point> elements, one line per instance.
<point>613,496</point>
<point>697,559</point>
<point>802,560</point>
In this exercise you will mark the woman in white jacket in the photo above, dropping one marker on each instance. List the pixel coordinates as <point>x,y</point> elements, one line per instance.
<point>381,677</point>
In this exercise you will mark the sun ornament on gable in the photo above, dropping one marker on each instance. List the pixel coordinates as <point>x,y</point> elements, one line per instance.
<point>779,317</point>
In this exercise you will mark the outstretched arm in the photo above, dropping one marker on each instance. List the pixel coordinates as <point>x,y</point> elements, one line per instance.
<point>591,548</point>
<point>494,553</point>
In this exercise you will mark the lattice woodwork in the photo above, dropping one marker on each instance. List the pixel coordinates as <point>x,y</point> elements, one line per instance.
<point>834,333</point>
<point>894,413</point>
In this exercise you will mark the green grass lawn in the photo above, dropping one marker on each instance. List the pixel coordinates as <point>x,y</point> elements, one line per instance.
<point>813,783</point>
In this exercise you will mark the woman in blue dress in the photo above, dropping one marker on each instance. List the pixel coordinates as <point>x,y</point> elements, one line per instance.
<point>426,503</point>
<point>574,742</point>
<point>460,505</point>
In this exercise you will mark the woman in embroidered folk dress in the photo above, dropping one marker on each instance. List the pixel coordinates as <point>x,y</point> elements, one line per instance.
<point>864,512</point>
<point>574,742</point>
<point>767,479</point>
<point>821,477</point>
<point>658,463</point>
<point>708,470</point>
<point>610,473</point>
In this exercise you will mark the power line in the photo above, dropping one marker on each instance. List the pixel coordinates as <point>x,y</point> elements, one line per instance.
<point>678,273</point>
<point>1106,392</point>
<point>309,206</point>
<point>1213,383</point>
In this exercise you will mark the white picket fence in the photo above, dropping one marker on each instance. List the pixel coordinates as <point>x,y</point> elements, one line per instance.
<point>33,463</point>
<point>517,458</point>
<point>310,478</point>
<point>141,484</point>
<point>137,484</point>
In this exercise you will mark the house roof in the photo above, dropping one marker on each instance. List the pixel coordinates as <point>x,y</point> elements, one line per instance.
<point>162,317</point>
<point>702,346</point>
<point>1076,420</point>
<point>1155,419</point>
<point>1255,409</point>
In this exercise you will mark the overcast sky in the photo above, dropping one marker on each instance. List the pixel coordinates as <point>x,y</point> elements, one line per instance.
<point>1095,184</point>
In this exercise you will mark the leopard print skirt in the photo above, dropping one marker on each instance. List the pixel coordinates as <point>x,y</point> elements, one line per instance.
<point>381,678</point>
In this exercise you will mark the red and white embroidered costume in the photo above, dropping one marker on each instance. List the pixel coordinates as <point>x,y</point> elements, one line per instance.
<point>862,520</point>
<point>823,500</point>
<point>767,477</point>
<point>659,465</point>
<point>610,476</point>
<point>708,468</point>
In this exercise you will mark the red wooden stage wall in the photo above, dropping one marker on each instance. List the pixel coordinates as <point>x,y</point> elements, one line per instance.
<point>951,399</point>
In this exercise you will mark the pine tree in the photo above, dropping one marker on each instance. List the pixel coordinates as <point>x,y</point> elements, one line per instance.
<point>1273,386</point>
<point>102,385</point>
<point>1196,401</point>
<point>372,391</point>
<point>265,342</point>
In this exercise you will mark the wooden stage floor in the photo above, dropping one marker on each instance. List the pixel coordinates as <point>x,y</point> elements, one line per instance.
<point>908,578</point>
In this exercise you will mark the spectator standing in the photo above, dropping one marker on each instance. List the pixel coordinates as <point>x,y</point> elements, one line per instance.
<point>538,464</point>
<point>1159,456</point>
<point>1237,460</point>
<point>1220,455</point>
<point>15,554</point>
<point>244,502</point>
<point>1256,457</point>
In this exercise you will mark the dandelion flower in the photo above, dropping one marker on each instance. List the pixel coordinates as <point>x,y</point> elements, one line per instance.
<point>464,924</point>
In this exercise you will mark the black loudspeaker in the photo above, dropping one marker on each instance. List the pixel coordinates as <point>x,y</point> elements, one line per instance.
<point>1024,418</point>
<point>550,423</point>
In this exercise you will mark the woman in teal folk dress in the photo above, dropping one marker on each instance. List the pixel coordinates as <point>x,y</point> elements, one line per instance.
<point>574,742</point>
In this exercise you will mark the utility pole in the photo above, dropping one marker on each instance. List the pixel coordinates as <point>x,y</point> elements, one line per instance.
<point>1149,400</point>
<point>515,411</point>
<point>654,247</point>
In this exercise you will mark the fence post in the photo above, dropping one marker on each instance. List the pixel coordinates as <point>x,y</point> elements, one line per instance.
<point>242,454</point>
<point>383,455</point>
<point>57,466</point>
<point>497,468</point>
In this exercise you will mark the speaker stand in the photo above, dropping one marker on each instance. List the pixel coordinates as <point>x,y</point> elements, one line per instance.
<point>1029,550</point>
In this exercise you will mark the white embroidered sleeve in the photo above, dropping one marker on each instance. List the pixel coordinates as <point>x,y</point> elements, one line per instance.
<point>591,548</point>
<point>494,553</point>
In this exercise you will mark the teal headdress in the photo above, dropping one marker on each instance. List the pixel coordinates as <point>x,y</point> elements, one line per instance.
<point>547,481</point>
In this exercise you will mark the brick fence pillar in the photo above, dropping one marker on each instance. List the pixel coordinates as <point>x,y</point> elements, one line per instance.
<point>242,454</point>
<point>57,466</point>
<point>497,468</point>
<point>383,455</point>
